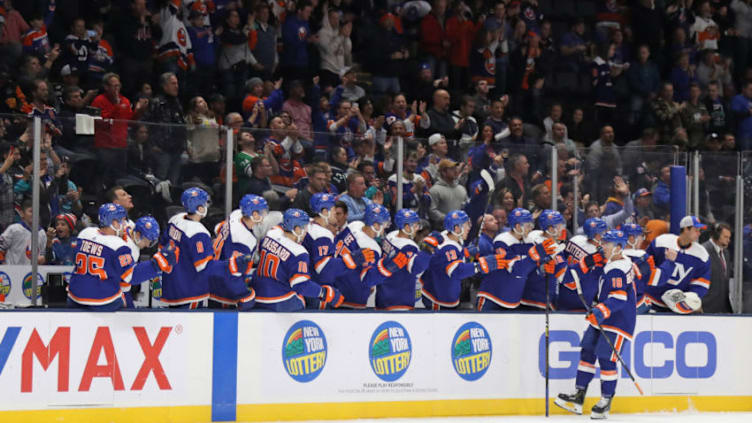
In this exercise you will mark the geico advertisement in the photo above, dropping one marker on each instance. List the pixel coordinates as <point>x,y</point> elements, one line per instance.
<point>390,357</point>
<point>122,359</point>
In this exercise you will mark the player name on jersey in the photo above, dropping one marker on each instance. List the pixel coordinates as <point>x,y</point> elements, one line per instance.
<point>274,248</point>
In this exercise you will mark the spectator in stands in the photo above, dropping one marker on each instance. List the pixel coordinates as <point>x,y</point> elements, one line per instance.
<point>708,71</point>
<point>78,46</point>
<point>35,41</point>
<point>496,118</point>
<point>446,193</point>
<point>13,28</point>
<point>298,110</point>
<point>517,142</point>
<point>667,112</point>
<point>460,31</point>
<point>168,141</point>
<point>717,299</point>
<point>102,56</point>
<point>296,34</point>
<point>555,115</point>
<point>354,197</point>
<point>349,90</point>
<point>339,167</point>
<point>61,241</point>
<point>578,129</point>
<point>695,118</point>
<point>517,181</point>
<point>642,202</point>
<point>603,72</point>
<point>573,47</point>
<point>558,139</point>
<point>415,194</point>
<point>434,40</point>
<point>681,75</point>
<point>717,108</point>
<point>317,182</point>
<point>482,102</point>
<point>644,82</point>
<point>335,48</point>
<point>10,156</point>
<point>139,152</point>
<point>541,199</point>
<point>603,163</point>
<point>265,33</point>
<point>134,37</point>
<point>741,106</point>
<point>441,119</point>
<point>234,56</point>
<point>743,30</point>
<point>15,241</point>
<point>390,56</point>
<point>662,191</point>
<point>204,51</point>
<point>111,132</point>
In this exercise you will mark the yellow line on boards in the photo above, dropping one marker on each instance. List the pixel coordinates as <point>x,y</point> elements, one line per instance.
<point>177,414</point>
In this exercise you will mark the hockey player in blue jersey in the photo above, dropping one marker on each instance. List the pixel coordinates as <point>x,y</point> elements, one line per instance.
<point>502,290</point>
<point>234,238</point>
<point>319,242</point>
<point>359,238</point>
<point>553,266</point>
<point>643,263</point>
<point>583,256</point>
<point>447,268</point>
<point>282,280</point>
<point>616,316</point>
<point>144,233</point>
<point>682,274</point>
<point>104,262</point>
<point>187,286</point>
<point>400,291</point>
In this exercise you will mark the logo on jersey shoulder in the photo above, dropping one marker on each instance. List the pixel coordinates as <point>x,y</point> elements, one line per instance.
<point>4,284</point>
<point>27,285</point>
<point>390,351</point>
<point>304,351</point>
<point>471,351</point>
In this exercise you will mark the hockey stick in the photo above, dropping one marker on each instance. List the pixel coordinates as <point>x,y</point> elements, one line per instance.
<point>491,188</point>
<point>548,307</point>
<point>608,340</point>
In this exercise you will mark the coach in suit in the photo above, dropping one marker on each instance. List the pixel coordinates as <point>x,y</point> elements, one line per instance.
<point>717,299</point>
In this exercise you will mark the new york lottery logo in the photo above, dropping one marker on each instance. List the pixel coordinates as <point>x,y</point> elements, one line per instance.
<point>471,351</point>
<point>27,289</point>
<point>304,351</point>
<point>4,284</point>
<point>390,351</point>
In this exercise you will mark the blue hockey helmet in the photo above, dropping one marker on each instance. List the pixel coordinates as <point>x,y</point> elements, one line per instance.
<point>615,236</point>
<point>519,215</point>
<point>148,228</point>
<point>321,201</point>
<point>193,198</point>
<point>294,218</point>
<point>253,203</point>
<point>376,213</point>
<point>111,212</point>
<point>405,217</point>
<point>455,218</point>
<point>632,229</point>
<point>550,218</point>
<point>594,226</point>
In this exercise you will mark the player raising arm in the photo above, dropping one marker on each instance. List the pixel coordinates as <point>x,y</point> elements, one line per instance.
<point>643,264</point>
<point>104,263</point>
<point>534,296</point>
<point>583,257</point>
<point>282,280</point>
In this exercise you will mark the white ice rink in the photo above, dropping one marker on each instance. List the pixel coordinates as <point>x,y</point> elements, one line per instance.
<point>683,417</point>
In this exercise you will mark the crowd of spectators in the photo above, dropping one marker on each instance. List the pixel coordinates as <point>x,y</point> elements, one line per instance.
<point>317,95</point>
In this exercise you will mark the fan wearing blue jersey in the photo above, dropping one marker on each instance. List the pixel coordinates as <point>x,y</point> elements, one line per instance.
<point>234,239</point>
<point>502,290</point>
<point>282,280</point>
<point>187,286</point>
<point>359,240</point>
<point>144,233</point>
<point>583,256</point>
<point>643,263</point>
<point>401,290</point>
<point>615,313</point>
<point>547,255</point>
<point>104,263</point>
<point>682,274</point>
<point>319,242</point>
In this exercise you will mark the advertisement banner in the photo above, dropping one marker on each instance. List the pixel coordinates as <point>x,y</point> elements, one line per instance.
<point>16,282</point>
<point>50,359</point>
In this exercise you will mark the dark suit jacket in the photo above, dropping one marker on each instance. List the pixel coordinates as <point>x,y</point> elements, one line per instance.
<point>717,298</point>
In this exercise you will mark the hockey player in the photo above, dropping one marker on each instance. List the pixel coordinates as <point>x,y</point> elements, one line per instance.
<point>372,268</point>
<point>319,242</point>
<point>551,224</point>
<point>282,278</point>
<point>235,238</point>
<point>502,290</point>
<point>143,234</point>
<point>682,274</point>
<point>104,262</point>
<point>643,264</point>
<point>399,291</point>
<point>614,316</point>
<point>443,279</point>
<point>583,256</point>
<point>187,286</point>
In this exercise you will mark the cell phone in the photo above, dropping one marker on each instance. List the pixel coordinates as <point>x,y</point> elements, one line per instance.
<point>91,33</point>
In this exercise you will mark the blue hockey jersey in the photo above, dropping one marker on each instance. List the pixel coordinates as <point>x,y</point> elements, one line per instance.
<point>401,290</point>
<point>643,267</point>
<point>534,294</point>
<point>576,249</point>
<point>283,272</point>
<point>319,242</point>
<point>689,272</point>
<point>103,263</point>
<point>501,286</point>
<point>616,299</point>
<point>443,279</point>
<point>356,285</point>
<point>233,239</point>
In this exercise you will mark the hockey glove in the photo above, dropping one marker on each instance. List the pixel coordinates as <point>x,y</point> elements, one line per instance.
<point>493,262</point>
<point>164,260</point>
<point>598,314</point>
<point>396,263</point>
<point>540,252</point>
<point>330,296</point>
<point>432,241</point>
<point>363,256</point>
<point>549,267</point>
<point>241,265</point>
<point>681,302</point>
<point>592,261</point>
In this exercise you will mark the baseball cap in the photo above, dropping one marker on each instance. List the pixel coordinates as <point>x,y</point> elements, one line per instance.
<point>446,164</point>
<point>642,192</point>
<point>691,221</point>
<point>435,138</point>
<point>68,70</point>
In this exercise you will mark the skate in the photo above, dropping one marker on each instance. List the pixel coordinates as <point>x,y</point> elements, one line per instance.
<point>571,402</point>
<point>601,409</point>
